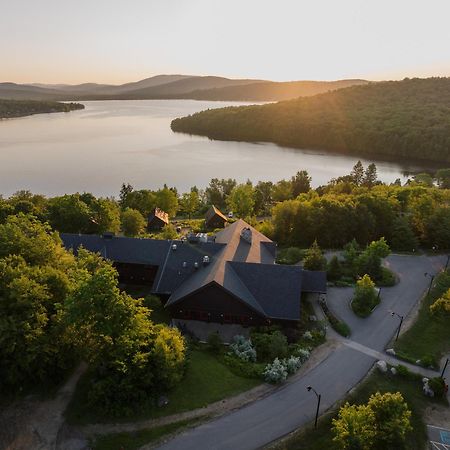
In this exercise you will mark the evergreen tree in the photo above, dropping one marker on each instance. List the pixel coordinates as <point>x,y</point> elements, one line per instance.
<point>370,176</point>
<point>357,173</point>
<point>314,260</point>
<point>301,183</point>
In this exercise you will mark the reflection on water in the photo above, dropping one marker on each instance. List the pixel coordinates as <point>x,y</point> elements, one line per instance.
<point>111,142</point>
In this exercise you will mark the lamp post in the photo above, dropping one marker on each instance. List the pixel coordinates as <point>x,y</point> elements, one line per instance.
<point>400,325</point>
<point>443,370</point>
<point>310,388</point>
<point>448,260</point>
<point>431,281</point>
<point>379,293</point>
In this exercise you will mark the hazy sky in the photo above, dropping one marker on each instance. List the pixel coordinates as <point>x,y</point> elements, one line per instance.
<point>115,41</point>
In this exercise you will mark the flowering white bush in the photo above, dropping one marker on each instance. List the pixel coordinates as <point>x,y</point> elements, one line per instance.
<point>303,354</point>
<point>292,364</point>
<point>275,372</point>
<point>307,335</point>
<point>243,348</point>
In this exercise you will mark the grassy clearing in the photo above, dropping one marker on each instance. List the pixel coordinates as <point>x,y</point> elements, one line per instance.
<point>207,380</point>
<point>135,440</point>
<point>429,338</point>
<point>410,387</point>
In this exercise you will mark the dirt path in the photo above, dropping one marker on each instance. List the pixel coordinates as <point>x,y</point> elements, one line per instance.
<point>32,424</point>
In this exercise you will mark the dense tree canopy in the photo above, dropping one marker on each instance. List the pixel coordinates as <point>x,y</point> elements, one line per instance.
<point>19,108</point>
<point>56,308</point>
<point>409,118</point>
<point>380,424</point>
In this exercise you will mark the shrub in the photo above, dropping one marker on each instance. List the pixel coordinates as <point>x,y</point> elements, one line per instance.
<point>302,353</point>
<point>307,335</point>
<point>293,363</point>
<point>291,255</point>
<point>314,260</point>
<point>243,349</point>
<point>441,307</point>
<point>342,328</point>
<point>270,346</point>
<point>214,342</point>
<point>365,297</point>
<point>243,368</point>
<point>428,361</point>
<point>387,278</point>
<point>437,384</point>
<point>275,372</point>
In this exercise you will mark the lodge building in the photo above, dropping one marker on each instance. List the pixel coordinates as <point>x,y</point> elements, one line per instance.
<point>229,278</point>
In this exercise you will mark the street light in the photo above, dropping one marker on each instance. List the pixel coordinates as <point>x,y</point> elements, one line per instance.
<point>401,321</point>
<point>443,370</point>
<point>379,293</point>
<point>310,388</point>
<point>431,281</point>
<point>446,264</point>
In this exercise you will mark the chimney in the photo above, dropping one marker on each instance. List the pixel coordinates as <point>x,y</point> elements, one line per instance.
<point>246,235</point>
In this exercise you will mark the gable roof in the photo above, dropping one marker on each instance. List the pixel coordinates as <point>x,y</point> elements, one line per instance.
<point>120,249</point>
<point>241,260</point>
<point>213,211</point>
<point>172,271</point>
<point>159,214</point>
<point>276,288</point>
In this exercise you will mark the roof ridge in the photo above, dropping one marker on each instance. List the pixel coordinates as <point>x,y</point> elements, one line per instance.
<point>260,308</point>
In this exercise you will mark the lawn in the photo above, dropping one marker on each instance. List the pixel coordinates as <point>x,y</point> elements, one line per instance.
<point>429,337</point>
<point>135,440</point>
<point>322,437</point>
<point>207,380</point>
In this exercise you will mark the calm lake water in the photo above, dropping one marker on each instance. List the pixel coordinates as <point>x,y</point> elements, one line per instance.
<point>111,142</point>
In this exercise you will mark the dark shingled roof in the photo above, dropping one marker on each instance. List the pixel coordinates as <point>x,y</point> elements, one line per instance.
<point>314,281</point>
<point>276,288</point>
<point>155,252</point>
<point>120,249</point>
<point>241,261</point>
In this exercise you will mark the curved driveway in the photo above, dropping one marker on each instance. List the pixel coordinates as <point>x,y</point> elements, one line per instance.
<point>292,406</point>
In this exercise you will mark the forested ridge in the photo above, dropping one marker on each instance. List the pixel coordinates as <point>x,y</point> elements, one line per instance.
<point>408,118</point>
<point>19,108</point>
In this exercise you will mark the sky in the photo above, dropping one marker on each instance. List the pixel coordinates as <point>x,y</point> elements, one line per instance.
<point>116,41</point>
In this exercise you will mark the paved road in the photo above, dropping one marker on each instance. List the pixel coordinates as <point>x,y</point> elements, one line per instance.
<point>292,406</point>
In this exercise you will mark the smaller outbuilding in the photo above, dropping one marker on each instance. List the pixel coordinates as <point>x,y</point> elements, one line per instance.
<point>214,218</point>
<point>157,220</point>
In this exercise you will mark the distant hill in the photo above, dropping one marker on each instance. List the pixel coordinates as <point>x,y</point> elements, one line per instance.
<point>271,90</point>
<point>19,108</point>
<point>175,87</point>
<point>394,119</point>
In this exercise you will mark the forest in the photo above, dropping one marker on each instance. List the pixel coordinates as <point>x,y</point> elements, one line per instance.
<point>355,206</point>
<point>51,300</point>
<point>389,119</point>
<point>20,108</point>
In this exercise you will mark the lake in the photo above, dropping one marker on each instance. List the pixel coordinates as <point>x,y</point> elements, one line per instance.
<point>111,142</point>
